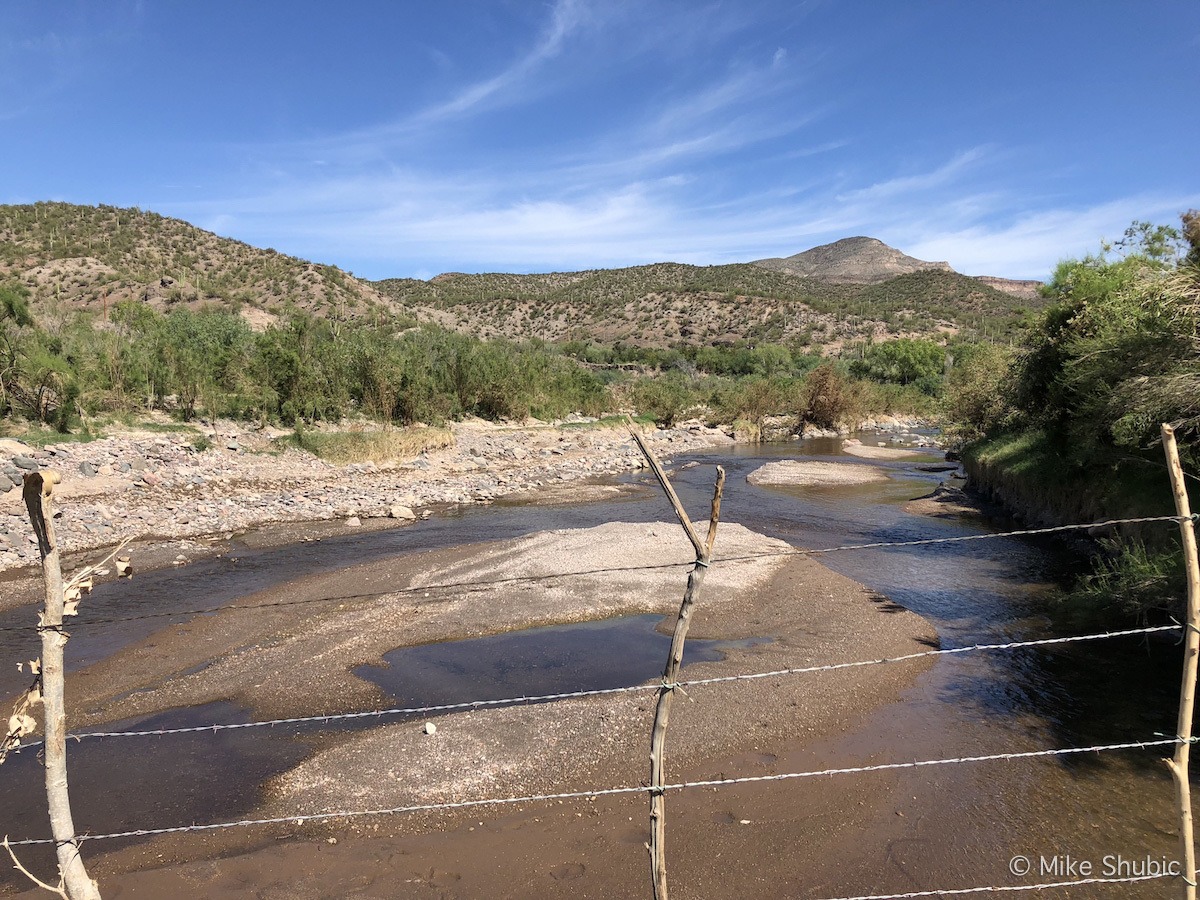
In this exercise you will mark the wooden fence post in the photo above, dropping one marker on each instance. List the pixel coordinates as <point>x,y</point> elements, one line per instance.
<point>666,692</point>
<point>75,880</point>
<point>1191,657</point>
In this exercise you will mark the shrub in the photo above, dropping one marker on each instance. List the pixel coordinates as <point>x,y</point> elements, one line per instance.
<point>829,397</point>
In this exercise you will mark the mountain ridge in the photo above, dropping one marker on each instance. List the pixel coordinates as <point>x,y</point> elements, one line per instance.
<point>90,258</point>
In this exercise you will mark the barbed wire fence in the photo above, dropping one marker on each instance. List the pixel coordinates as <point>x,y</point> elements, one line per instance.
<point>1184,871</point>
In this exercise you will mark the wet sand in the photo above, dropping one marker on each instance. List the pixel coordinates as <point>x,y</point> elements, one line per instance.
<point>866,451</point>
<point>746,840</point>
<point>801,473</point>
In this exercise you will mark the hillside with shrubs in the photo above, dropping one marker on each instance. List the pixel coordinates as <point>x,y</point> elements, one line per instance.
<point>108,312</point>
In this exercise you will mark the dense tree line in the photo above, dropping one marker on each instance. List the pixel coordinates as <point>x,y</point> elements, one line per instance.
<point>1116,353</point>
<point>69,367</point>
<point>1069,420</point>
<point>211,363</point>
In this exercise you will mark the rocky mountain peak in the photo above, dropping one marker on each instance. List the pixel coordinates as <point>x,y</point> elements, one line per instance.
<point>852,260</point>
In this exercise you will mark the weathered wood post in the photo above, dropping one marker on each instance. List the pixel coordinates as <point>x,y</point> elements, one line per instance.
<point>666,692</point>
<point>1191,657</point>
<point>78,886</point>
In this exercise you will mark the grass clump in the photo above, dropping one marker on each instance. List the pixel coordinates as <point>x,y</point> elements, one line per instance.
<point>1129,580</point>
<point>42,437</point>
<point>380,446</point>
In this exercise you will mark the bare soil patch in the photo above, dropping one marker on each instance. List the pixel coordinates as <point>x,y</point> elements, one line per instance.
<point>947,502</point>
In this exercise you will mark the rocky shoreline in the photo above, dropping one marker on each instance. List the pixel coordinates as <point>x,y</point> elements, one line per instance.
<point>150,485</point>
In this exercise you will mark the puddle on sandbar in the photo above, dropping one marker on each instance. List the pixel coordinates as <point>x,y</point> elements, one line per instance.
<point>583,656</point>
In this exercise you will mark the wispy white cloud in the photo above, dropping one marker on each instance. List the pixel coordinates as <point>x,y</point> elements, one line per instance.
<point>566,18</point>
<point>408,222</point>
<point>694,169</point>
<point>942,176</point>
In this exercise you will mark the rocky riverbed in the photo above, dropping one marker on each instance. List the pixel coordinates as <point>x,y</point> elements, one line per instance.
<point>151,485</point>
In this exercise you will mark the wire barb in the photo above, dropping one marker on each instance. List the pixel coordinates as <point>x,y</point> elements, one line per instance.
<point>600,692</point>
<point>995,889</point>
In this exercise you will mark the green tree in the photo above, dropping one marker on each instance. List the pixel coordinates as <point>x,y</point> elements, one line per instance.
<point>975,403</point>
<point>14,316</point>
<point>903,361</point>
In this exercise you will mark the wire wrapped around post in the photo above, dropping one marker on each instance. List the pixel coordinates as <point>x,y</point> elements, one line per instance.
<point>76,884</point>
<point>666,691</point>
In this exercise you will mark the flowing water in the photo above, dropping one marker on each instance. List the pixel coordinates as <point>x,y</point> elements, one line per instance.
<point>962,824</point>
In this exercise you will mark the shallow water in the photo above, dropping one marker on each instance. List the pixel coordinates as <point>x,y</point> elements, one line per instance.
<point>224,769</point>
<point>584,656</point>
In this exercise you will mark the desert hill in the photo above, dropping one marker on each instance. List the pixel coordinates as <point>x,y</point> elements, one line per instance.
<point>852,260</point>
<point>865,260</point>
<point>668,303</point>
<point>91,257</point>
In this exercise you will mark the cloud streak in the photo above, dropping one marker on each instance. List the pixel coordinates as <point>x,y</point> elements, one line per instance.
<point>566,19</point>
<point>414,222</point>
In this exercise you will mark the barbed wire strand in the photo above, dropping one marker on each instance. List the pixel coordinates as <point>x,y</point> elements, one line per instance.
<point>482,585</point>
<point>1107,523</point>
<point>1009,887</point>
<point>302,818</point>
<point>598,692</point>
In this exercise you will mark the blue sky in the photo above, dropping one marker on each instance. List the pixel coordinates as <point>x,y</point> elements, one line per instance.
<point>411,138</point>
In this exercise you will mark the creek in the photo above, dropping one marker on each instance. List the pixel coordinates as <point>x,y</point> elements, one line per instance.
<point>962,824</point>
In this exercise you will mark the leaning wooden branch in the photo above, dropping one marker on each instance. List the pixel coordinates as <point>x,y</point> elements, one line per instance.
<point>666,693</point>
<point>1191,661</point>
<point>38,488</point>
<point>657,469</point>
<point>24,871</point>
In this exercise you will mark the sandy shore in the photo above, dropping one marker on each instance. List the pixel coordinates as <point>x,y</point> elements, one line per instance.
<point>159,490</point>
